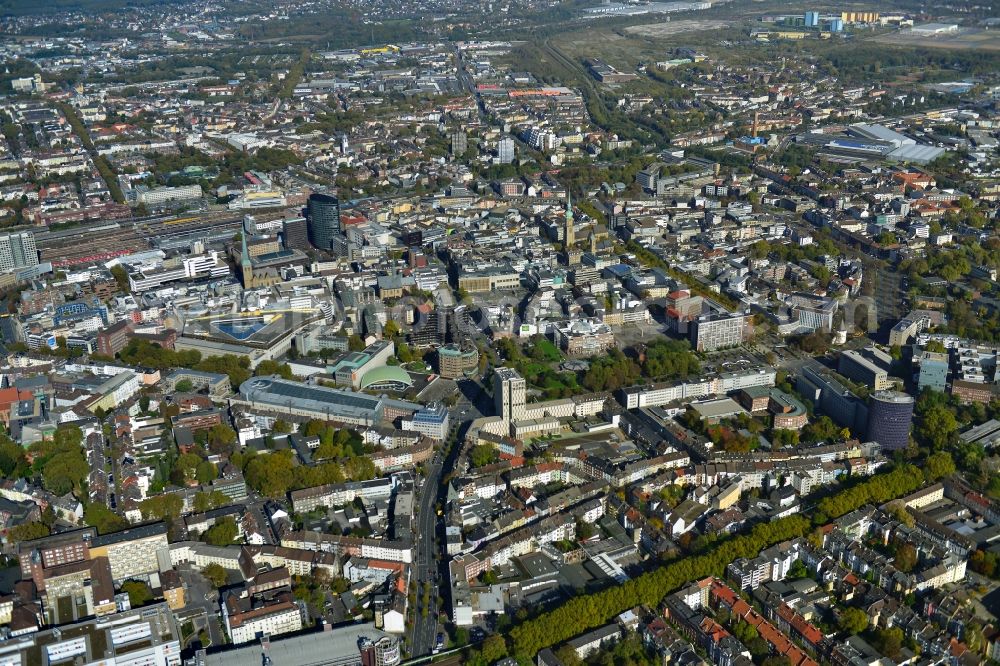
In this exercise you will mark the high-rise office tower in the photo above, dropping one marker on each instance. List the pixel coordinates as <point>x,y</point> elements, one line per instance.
<point>323,212</point>
<point>509,394</point>
<point>890,417</point>
<point>295,233</point>
<point>459,142</point>
<point>505,150</point>
<point>17,250</point>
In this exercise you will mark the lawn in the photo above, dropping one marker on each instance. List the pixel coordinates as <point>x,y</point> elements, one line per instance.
<point>548,350</point>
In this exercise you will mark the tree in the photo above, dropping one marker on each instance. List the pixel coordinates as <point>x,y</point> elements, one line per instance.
<point>27,532</point>
<point>103,518</point>
<point>48,516</point>
<point>853,621</point>
<point>493,649</point>
<point>899,512</point>
<point>13,462</point>
<point>183,386</point>
<point>269,367</point>
<point>281,427</point>
<point>776,660</point>
<point>211,500</point>
<point>798,570</point>
<point>355,343</point>
<point>215,574</point>
<point>938,466</point>
<point>161,507</point>
<point>482,455</point>
<point>271,474</point>
<point>120,275</point>
<point>820,430</point>
<point>222,533</point>
<point>186,466</point>
<point>205,472</point>
<point>359,469</point>
<point>61,460</point>
<point>973,636</point>
<point>935,346</point>
<point>221,438</point>
<point>888,641</point>
<point>758,647</point>
<point>587,611</point>
<point>567,656</point>
<point>937,427</point>
<point>138,593</point>
<point>404,353</point>
<point>985,563</point>
<point>906,558</point>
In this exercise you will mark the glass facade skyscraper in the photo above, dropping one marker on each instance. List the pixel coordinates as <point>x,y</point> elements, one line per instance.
<point>323,220</point>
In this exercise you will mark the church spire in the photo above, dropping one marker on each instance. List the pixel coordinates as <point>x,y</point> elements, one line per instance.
<point>569,233</point>
<point>244,252</point>
<point>246,266</point>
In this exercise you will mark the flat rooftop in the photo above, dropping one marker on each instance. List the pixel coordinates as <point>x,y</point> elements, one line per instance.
<point>337,646</point>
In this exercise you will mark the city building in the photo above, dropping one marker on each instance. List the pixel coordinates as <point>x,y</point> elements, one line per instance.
<point>509,394</point>
<point>505,150</point>
<point>173,589</point>
<point>972,391</point>
<point>933,373</point>
<point>718,331</point>
<point>870,368</point>
<point>340,646</point>
<point>272,395</point>
<point>832,398</point>
<point>890,417</point>
<point>246,620</point>
<point>324,219</point>
<point>380,652</point>
<point>431,421</point>
<point>459,142</point>
<point>113,339</point>
<point>295,233</point>
<point>147,635</point>
<point>132,552</point>
<point>161,197</point>
<point>787,412</point>
<point>583,337</point>
<point>455,361</point>
<point>17,250</point>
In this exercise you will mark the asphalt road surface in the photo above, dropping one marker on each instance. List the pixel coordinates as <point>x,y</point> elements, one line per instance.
<point>425,628</point>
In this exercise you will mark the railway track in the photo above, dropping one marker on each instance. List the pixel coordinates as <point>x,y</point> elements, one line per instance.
<point>105,240</point>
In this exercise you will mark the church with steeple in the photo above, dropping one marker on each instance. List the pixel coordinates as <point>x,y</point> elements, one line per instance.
<point>262,269</point>
<point>246,266</point>
<point>571,252</point>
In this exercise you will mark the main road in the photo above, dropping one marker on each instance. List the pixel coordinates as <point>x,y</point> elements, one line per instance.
<point>424,564</point>
<point>472,403</point>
